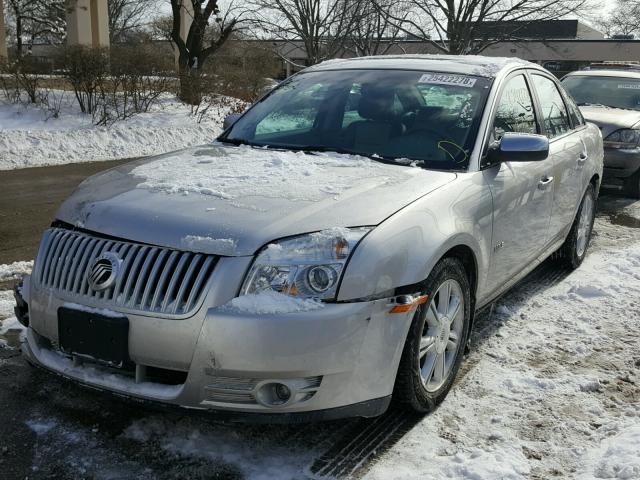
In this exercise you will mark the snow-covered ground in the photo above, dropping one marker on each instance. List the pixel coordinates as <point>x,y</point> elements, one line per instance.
<point>28,138</point>
<point>551,389</point>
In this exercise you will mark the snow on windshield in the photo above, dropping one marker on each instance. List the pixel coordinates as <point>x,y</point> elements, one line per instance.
<point>238,172</point>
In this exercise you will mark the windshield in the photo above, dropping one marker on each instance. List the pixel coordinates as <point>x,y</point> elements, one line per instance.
<point>389,115</point>
<point>617,92</point>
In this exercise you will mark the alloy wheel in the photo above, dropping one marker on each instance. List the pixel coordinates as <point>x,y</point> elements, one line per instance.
<point>441,335</point>
<point>584,225</point>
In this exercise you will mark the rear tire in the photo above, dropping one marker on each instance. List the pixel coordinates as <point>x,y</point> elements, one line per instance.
<point>632,185</point>
<point>575,247</point>
<point>436,341</point>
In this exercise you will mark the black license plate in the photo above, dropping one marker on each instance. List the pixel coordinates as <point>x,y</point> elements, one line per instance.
<point>93,335</point>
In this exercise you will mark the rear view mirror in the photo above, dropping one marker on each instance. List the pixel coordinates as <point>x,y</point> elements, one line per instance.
<point>230,120</point>
<point>519,147</point>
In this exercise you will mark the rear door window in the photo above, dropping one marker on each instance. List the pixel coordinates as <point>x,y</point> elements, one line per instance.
<point>554,112</point>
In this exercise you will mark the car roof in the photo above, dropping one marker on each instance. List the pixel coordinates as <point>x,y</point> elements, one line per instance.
<point>462,64</point>
<point>605,73</point>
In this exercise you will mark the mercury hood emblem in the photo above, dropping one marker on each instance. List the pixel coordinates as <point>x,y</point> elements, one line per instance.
<point>103,272</point>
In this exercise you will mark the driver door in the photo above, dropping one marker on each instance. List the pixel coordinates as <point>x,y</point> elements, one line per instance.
<point>522,191</point>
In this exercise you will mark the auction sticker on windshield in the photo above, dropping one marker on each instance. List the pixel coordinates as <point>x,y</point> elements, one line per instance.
<point>629,86</point>
<point>445,79</point>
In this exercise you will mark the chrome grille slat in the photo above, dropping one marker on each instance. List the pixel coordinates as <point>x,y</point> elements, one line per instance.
<point>150,279</point>
<point>69,255</point>
<point>124,268</point>
<point>198,282</point>
<point>45,248</point>
<point>140,254</point>
<point>174,280</point>
<point>162,279</point>
<point>73,269</point>
<point>150,257</point>
<point>53,259</point>
<point>185,281</point>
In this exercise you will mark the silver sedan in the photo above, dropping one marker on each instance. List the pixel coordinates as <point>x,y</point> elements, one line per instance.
<point>328,251</point>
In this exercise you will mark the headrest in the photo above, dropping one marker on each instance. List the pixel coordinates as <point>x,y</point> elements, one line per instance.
<point>376,103</point>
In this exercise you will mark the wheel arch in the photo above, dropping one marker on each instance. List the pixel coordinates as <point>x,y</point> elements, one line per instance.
<point>467,257</point>
<point>595,181</point>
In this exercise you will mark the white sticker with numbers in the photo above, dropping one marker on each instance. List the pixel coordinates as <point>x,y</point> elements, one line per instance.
<point>446,79</point>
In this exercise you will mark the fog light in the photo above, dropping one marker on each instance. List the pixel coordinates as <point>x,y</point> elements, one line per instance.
<point>274,394</point>
<point>282,392</point>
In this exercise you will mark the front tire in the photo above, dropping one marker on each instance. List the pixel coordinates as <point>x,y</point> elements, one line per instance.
<point>574,249</point>
<point>436,340</point>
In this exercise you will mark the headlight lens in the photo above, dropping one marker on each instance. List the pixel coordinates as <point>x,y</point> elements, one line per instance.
<point>625,138</point>
<point>308,266</point>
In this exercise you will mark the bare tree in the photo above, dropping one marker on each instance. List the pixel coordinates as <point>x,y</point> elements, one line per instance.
<point>461,27</point>
<point>129,16</point>
<point>375,31</point>
<point>624,19</point>
<point>322,26</point>
<point>203,40</point>
<point>36,19</point>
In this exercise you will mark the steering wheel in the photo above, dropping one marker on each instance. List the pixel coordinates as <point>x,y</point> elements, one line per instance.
<point>437,134</point>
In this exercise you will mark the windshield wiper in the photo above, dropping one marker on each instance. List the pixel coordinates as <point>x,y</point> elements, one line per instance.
<point>236,141</point>
<point>587,104</point>
<point>346,151</point>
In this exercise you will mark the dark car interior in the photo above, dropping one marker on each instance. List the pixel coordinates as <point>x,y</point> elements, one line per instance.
<point>410,120</point>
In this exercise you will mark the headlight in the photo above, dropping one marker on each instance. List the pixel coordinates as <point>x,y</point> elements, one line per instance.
<point>625,138</point>
<point>308,266</point>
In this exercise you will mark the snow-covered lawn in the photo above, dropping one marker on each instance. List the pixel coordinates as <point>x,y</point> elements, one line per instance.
<point>28,138</point>
<point>550,390</point>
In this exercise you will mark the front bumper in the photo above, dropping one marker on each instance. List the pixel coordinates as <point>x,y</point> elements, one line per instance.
<point>620,163</point>
<point>339,360</point>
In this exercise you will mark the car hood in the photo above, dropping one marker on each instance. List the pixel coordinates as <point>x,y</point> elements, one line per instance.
<point>610,119</point>
<point>229,200</point>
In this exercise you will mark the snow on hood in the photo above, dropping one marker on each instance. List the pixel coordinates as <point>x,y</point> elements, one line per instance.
<point>229,200</point>
<point>610,119</point>
<point>240,172</point>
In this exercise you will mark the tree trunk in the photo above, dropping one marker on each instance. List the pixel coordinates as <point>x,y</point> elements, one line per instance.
<point>19,35</point>
<point>190,85</point>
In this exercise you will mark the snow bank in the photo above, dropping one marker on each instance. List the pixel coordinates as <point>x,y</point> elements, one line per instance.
<point>11,331</point>
<point>617,457</point>
<point>29,139</point>
<point>270,303</point>
<point>15,270</point>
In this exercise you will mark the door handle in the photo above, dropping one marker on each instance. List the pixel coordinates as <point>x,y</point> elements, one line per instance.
<point>582,158</point>
<point>545,182</point>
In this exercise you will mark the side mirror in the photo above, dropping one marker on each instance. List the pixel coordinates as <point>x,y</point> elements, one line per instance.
<point>519,147</point>
<point>230,120</point>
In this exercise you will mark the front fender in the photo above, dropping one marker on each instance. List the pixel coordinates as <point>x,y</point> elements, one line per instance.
<point>404,248</point>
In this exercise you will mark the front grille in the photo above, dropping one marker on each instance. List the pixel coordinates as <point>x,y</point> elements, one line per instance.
<point>150,279</point>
